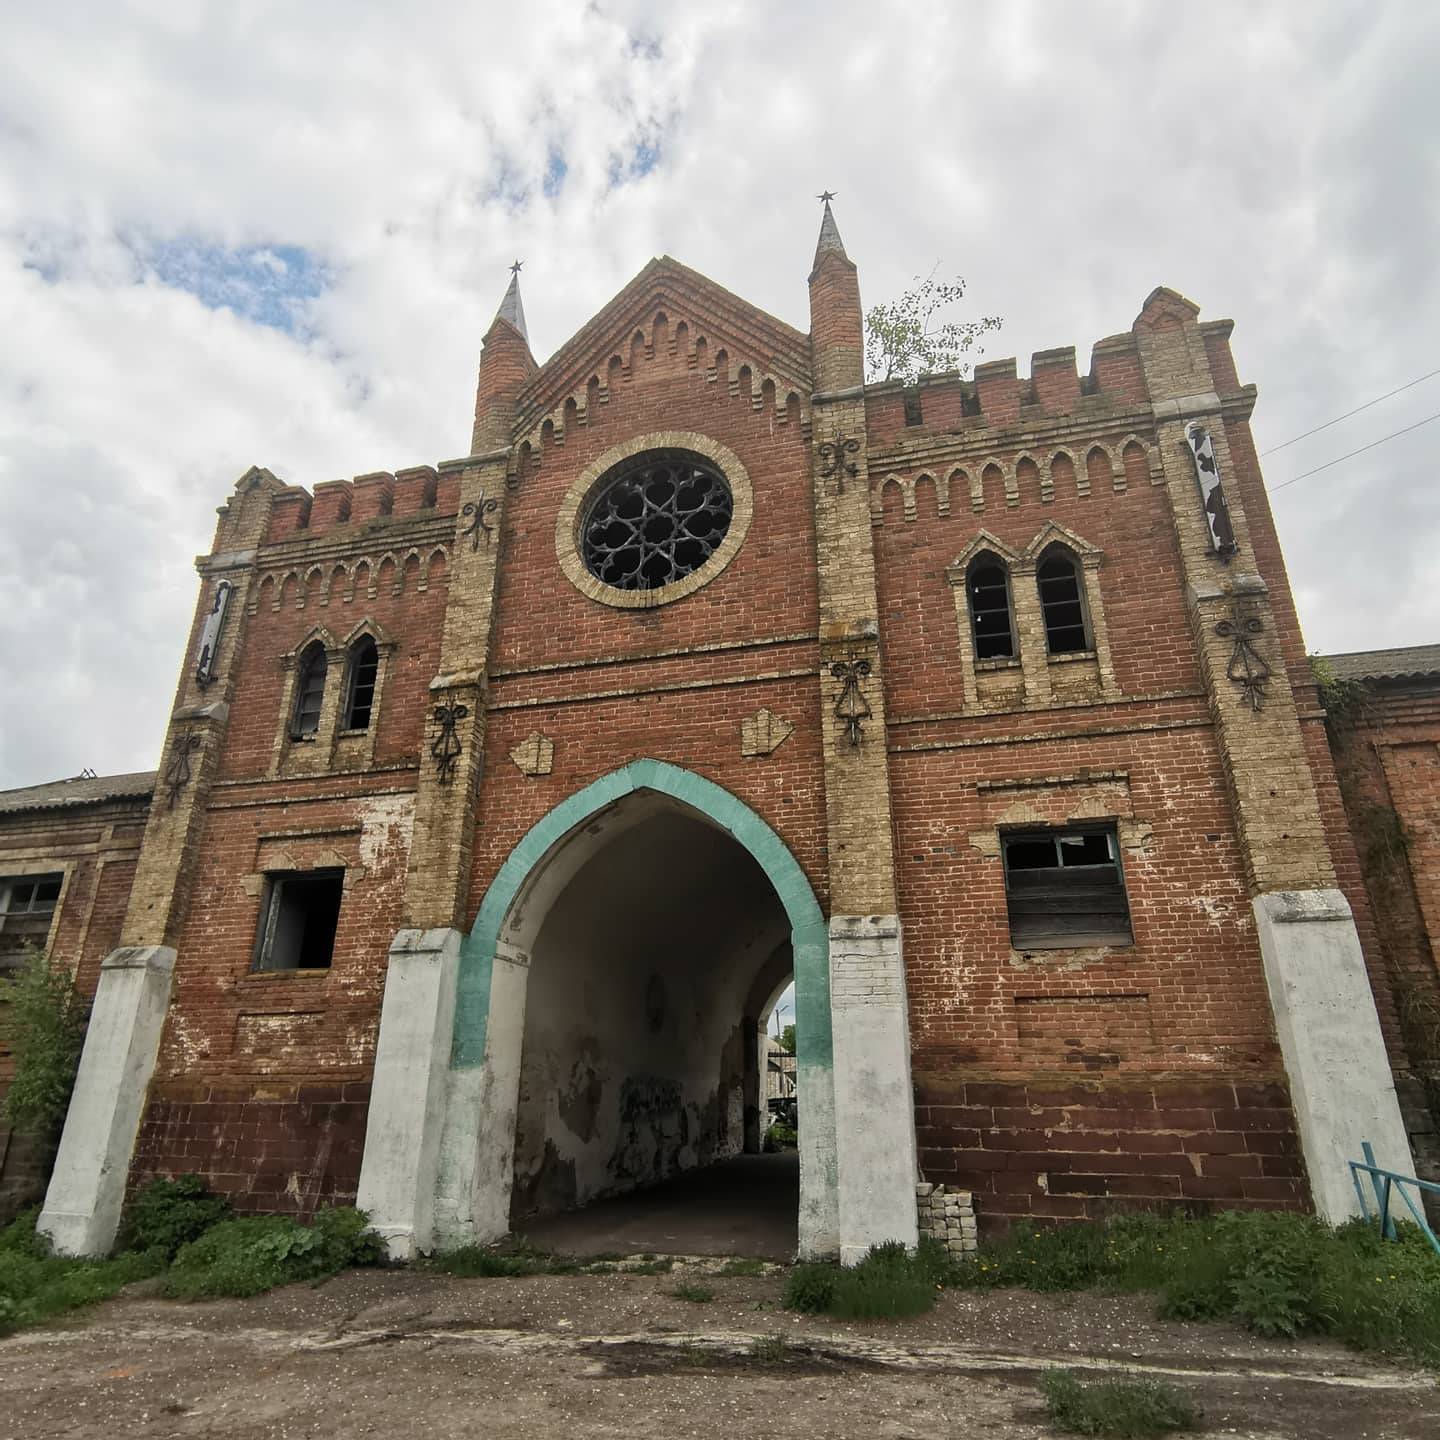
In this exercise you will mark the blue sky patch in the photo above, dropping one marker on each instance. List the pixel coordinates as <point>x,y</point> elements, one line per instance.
<point>555,172</point>
<point>265,284</point>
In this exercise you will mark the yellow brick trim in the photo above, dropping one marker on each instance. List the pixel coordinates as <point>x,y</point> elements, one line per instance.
<point>567,522</point>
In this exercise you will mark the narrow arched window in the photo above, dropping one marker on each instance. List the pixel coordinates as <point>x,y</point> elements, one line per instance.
<point>309,691</point>
<point>364,665</point>
<point>987,587</point>
<point>1062,602</point>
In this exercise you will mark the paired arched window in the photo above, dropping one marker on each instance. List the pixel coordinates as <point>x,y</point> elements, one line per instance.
<point>361,673</point>
<point>1062,603</point>
<point>987,586</point>
<point>309,691</point>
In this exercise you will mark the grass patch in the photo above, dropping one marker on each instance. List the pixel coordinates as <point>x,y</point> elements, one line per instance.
<point>232,1257</point>
<point>36,1286</point>
<point>742,1267</point>
<point>487,1262</point>
<point>889,1283</point>
<point>250,1256</point>
<point>1277,1274</point>
<point>649,1266</point>
<point>770,1349</point>
<point>695,1294</point>
<point>1124,1407</point>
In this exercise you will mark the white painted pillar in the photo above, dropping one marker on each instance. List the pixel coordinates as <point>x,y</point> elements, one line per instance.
<point>477,1158</point>
<point>87,1187</point>
<point>407,1094</point>
<point>874,1102</point>
<point>1329,1032</point>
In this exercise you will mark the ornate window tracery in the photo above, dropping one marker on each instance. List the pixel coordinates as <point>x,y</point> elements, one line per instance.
<point>654,520</point>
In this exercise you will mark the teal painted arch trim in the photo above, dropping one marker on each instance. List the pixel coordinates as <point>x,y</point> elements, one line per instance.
<point>809,935</point>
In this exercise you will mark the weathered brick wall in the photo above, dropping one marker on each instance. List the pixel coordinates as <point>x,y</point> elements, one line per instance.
<point>1057,1083</point>
<point>94,846</point>
<point>1388,764</point>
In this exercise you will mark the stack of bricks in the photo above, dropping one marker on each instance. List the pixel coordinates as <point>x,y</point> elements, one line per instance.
<point>947,1216</point>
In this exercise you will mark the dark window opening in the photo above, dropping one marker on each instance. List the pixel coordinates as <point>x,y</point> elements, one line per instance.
<point>1065,888</point>
<point>988,584</point>
<point>655,519</point>
<point>360,686</point>
<point>914,415</point>
<point>298,920</point>
<point>1061,604</point>
<point>27,906</point>
<point>309,691</point>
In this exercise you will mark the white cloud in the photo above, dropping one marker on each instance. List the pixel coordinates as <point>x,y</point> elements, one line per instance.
<point>1278,164</point>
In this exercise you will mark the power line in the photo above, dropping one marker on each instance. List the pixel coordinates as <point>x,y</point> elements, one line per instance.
<point>1394,434</point>
<point>1408,385</point>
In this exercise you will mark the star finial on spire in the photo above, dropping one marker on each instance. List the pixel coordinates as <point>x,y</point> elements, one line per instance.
<point>829,230</point>
<point>510,307</point>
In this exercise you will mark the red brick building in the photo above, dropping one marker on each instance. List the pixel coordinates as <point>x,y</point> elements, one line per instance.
<point>500,799</point>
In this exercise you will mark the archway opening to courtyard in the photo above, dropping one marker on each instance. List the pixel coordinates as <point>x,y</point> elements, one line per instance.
<point>643,1089</point>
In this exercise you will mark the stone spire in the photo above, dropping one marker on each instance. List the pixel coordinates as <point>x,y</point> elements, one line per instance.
<point>505,365</point>
<point>511,309</point>
<point>829,241</point>
<point>837,326</point>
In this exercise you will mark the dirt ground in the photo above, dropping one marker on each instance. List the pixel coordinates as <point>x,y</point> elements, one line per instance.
<point>401,1353</point>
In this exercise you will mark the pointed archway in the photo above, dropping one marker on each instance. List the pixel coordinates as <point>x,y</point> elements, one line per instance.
<point>481,1103</point>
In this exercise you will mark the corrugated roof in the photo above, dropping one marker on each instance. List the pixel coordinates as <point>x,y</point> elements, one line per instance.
<point>79,790</point>
<point>1412,661</point>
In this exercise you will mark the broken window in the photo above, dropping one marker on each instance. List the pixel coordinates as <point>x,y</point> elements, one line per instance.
<point>1064,888</point>
<point>297,920</point>
<point>364,666</point>
<point>27,906</point>
<point>309,691</point>
<point>987,584</point>
<point>1062,602</point>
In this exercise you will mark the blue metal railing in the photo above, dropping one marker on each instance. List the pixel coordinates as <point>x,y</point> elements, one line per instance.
<point>1385,1184</point>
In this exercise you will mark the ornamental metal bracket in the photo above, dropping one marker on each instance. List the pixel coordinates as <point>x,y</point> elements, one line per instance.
<point>834,457</point>
<point>1247,667</point>
<point>177,772</point>
<point>852,707</point>
<point>478,509</point>
<point>446,748</point>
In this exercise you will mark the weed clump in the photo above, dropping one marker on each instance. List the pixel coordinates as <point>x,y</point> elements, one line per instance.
<point>166,1214</point>
<point>249,1256</point>
<point>35,1285</point>
<point>1127,1408</point>
<point>1276,1273</point>
<point>695,1294</point>
<point>887,1284</point>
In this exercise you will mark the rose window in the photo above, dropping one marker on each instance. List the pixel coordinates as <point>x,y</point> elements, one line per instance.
<point>654,520</point>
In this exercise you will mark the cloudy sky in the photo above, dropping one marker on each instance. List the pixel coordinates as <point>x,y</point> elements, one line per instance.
<point>274,233</point>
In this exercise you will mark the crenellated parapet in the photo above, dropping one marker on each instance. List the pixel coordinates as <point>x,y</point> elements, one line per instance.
<point>1002,440</point>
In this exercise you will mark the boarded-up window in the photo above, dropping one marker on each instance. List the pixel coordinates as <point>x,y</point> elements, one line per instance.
<point>1064,888</point>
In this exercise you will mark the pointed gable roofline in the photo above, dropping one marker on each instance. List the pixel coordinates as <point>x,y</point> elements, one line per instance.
<point>725,320</point>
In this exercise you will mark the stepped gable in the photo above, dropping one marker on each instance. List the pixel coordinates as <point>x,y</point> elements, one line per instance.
<point>626,327</point>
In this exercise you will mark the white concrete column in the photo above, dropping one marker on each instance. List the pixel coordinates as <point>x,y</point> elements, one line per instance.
<point>874,1103</point>
<point>407,1095</point>
<point>1329,1032</point>
<point>87,1186</point>
<point>477,1159</point>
